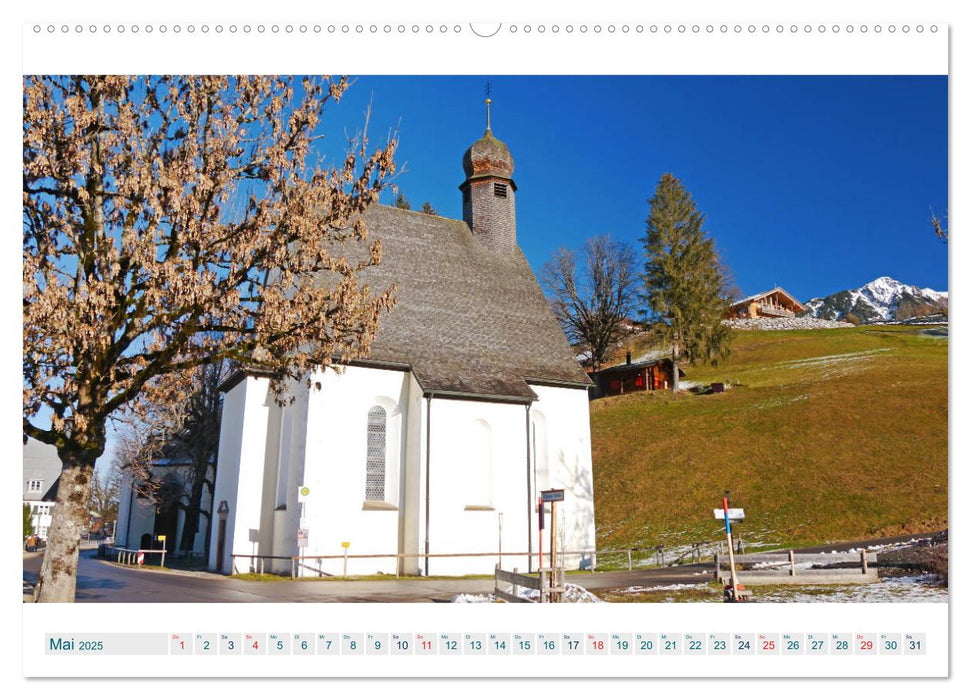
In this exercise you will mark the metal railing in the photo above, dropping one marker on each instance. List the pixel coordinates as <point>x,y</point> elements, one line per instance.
<point>258,565</point>
<point>128,557</point>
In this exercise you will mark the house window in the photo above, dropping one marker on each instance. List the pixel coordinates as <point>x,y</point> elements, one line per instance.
<point>377,440</point>
<point>500,189</point>
<point>35,486</point>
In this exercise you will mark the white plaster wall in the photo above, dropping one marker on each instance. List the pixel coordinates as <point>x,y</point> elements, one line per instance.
<point>239,479</point>
<point>334,467</point>
<point>413,517</point>
<point>124,503</point>
<point>460,522</point>
<point>141,520</point>
<point>566,423</point>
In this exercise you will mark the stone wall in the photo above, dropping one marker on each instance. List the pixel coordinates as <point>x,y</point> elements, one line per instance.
<point>783,324</point>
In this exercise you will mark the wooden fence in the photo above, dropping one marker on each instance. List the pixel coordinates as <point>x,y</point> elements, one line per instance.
<point>550,590</point>
<point>781,568</point>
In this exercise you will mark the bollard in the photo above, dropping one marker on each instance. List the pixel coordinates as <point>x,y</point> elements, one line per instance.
<point>630,565</point>
<point>293,567</point>
<point>792,563</point>
<point>863,561</point>
<point>717,568</point>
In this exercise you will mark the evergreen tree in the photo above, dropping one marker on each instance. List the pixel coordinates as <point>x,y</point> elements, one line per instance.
<point>28,521</point>
<point>427,208</point>
<point>401,202</point>
<point>686,286</point>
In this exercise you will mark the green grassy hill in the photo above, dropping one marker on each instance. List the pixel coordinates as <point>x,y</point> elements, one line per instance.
<point>824,435</point>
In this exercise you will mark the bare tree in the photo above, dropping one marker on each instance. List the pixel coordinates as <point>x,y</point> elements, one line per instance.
<point>593,303</point>
<point>105,487</point>
<point>170,222</point>
<point>940,228</point>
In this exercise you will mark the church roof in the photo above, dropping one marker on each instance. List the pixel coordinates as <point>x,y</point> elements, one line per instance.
<point>467,320</point>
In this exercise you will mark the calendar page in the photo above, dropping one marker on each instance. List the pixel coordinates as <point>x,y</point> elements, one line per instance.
<point>351,335</point>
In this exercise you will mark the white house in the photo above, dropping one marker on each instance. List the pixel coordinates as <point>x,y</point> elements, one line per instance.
<point>42,470</point>
<point>469,404</point>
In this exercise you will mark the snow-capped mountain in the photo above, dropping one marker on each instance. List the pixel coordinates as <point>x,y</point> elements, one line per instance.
<point>883,299</point>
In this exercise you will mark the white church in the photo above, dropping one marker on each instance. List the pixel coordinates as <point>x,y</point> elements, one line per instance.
<point>439,443</point>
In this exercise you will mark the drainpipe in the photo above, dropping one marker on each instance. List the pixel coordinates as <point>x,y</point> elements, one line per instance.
<point>428,472</point>
<point>529,493</point>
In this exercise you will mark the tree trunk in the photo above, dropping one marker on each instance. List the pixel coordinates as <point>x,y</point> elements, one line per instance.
<point>57,581</point>
<point>191,525</point>
<point>675,356</point>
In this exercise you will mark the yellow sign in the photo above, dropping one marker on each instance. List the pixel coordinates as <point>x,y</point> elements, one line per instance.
<point>162,538</point>
<point>345,545</point>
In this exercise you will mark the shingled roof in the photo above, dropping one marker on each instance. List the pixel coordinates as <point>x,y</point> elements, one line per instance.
<point>467,320</point>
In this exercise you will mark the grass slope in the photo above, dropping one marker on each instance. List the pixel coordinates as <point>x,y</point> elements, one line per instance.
<point>825,435</point>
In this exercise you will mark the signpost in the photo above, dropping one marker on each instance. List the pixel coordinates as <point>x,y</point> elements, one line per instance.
<point>303,533</point>
<point>552,496</point>
<point>734,514</point>
<point>726,513</point>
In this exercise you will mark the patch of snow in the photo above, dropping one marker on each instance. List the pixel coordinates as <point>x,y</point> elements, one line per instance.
<point>572,594</point>
<point>471,598</point>
<point>904,589</point>
<point>669,587</point>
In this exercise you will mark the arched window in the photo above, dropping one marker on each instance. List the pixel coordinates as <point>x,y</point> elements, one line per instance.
<point>377,440</point>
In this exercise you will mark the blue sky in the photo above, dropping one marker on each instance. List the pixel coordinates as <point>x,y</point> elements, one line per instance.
<point>813,183</point>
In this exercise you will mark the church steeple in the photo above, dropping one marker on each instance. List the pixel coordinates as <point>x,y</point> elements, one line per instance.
<point>488,193</point>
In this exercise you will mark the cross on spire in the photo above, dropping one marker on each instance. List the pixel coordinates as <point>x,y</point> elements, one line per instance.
<point>488,103</point>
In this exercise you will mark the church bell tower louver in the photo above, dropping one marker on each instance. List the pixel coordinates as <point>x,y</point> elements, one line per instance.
<point>489,193</point>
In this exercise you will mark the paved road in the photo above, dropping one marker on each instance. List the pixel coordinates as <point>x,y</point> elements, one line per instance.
<point>104,582</point>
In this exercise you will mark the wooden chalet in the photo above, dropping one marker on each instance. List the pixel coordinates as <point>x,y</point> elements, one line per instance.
<point>649,374</point>
<point>775,303</point>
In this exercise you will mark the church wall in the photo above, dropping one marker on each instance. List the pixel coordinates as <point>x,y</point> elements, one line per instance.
<point>467,439</point>
<point>566,426</point>
<point>413,520</point>
<point>335,467</point>
<point>142,518</point>
<point>239,480</point>
<point>287,520</point>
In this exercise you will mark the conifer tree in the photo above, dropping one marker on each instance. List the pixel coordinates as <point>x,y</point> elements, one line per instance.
<point>685,283</point>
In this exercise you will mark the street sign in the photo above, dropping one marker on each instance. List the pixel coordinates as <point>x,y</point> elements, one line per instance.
<point>162,538</point>
<point>733,514</point>
<point>552,495</point>
<point>303,493</point>
<point>303,536</point>
<point>141,558</point>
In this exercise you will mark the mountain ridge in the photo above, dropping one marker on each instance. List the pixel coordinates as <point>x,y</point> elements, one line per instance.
<point>881,300</point>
